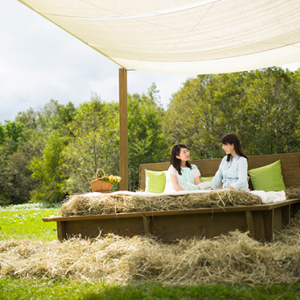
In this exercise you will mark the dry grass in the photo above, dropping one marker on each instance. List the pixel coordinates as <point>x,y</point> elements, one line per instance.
<point>293,193</point>
<point>235,258</point>
<point>106,204</point>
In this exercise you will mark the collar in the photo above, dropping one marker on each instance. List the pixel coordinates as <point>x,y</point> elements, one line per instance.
<point>235,157</point>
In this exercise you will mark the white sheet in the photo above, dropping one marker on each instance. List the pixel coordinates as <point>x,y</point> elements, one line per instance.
<point>270,197</point>
<point>266,197</point>
<point>147,194</point>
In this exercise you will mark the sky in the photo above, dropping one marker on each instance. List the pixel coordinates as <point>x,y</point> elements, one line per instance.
<point>39,61</point>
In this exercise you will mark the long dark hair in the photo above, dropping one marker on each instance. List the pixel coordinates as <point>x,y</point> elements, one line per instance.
<point>175,161</point>
<point>231,138</point>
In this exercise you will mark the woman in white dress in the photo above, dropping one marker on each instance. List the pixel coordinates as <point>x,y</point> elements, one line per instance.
<point>181,171</point>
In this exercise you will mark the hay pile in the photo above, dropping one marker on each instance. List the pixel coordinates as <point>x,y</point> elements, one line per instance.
<point>107,204</point>
<point>293,193</point>
<point>235,258</point>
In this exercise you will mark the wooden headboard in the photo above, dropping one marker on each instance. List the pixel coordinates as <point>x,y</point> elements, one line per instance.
<point>290,165</point>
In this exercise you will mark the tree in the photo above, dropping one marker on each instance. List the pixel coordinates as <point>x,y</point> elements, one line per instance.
<point>273,112</point>
<point>47,169</point>
<point>193,117</point>
<point>146,141</point>
<point>29,119</point>
<point>16,182</point>
<point>261,107</point>
<point>95,144</point>
<point>2,135</point>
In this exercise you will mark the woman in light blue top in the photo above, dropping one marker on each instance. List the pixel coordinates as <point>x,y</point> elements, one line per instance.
<point>181,170</point>
<point>233,169</point>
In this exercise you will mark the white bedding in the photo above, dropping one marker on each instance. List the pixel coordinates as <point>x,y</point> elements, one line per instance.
<point>266,197</point>
<point>270,197</point>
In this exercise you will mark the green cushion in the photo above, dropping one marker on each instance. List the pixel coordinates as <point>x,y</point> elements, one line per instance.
<point>204,179</point>
<point>267,178</point>
<point>155,181</point>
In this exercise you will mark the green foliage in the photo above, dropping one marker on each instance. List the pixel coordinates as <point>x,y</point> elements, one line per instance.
<point>261,107</point>
<point>16,181</point>
<point>95,144</point>
<point>55,151</point>
<point>2,135</point>
<point>47,169</point>
<point>28,118</point>
<point>11,135</point>
<point>55,116</point>
<point>272,113</point>
<point>146,141</point>
<point>14,130</point>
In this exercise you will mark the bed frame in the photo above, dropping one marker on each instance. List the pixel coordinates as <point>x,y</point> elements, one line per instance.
<point>261,221</point>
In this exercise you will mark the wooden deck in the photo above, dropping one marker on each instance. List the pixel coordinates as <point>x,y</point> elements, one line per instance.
<point>260,220</point>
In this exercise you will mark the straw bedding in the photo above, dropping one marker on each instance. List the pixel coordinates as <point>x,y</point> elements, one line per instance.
<point>234,258</point>
<point>106,204</point>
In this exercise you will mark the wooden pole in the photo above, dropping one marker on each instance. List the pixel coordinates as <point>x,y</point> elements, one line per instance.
<point>123,129</point>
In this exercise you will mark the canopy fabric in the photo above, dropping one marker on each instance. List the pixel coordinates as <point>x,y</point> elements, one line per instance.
<point>182,36</point>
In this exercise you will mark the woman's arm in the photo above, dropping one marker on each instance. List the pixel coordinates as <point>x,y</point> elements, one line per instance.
<point>197,180</point>
<point>219,175</point>
<point>196,174</point>
<point>175,184</point>
<point>242,181</point>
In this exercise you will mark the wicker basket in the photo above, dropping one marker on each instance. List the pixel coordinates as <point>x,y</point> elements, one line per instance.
<point>98,185</point>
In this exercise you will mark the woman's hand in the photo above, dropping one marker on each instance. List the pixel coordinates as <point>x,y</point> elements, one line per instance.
<point>230,188</point>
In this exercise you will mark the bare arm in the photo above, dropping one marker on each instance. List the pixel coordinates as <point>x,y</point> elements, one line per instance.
<point>175,184</point>
<point>197,180</point>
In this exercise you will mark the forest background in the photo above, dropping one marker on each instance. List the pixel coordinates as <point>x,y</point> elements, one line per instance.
<point>54,152</point>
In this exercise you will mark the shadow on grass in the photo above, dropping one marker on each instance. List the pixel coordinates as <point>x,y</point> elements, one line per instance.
<point>219,291</point>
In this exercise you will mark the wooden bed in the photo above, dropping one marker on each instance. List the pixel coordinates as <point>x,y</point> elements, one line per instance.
<point>261,221</point>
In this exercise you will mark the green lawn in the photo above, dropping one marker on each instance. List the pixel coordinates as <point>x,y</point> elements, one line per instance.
<point>27,289</point>
<point>21,222</point>
<point>27,224</point>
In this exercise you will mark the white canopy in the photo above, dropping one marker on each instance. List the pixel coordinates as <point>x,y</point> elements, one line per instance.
<point>182,36</point>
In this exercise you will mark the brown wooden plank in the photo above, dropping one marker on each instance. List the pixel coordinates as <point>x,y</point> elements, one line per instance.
<point>92,228</point>
<point>172,225</point>
<point>269,224</point>
<point>207,167</point>
<point>286,214</point>
<point>146,222</point>
<point>123,128</point>
<point>277,222</point>
<point>171,228</point>
<point>262,207</point>
<point>259,225</point>
<point>290,164</point>
<point>250,223</point>
<point>61,230</point>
